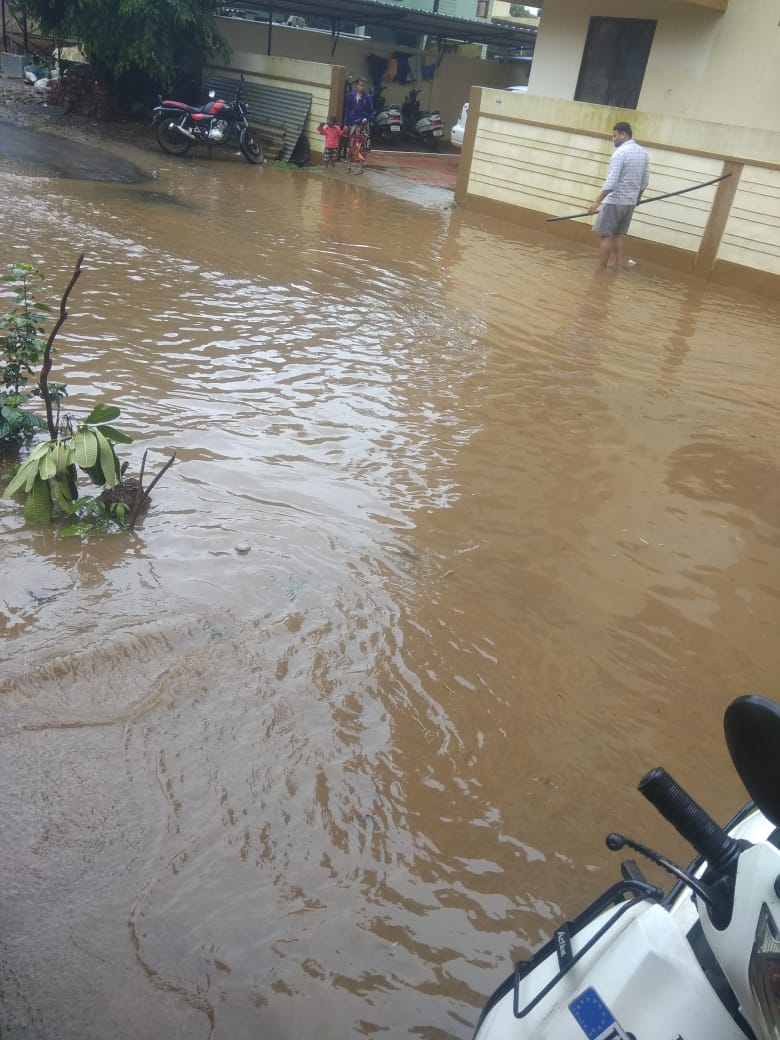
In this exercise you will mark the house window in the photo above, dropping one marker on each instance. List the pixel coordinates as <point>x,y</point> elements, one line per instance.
<point>614,61</point>
<point>483,6</point>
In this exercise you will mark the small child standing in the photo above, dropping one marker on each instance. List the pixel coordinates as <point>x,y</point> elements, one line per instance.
<point>358,146</point>
<point>332,133</point>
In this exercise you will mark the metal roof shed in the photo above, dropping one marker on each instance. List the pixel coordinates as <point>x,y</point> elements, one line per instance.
<point>395,16</point>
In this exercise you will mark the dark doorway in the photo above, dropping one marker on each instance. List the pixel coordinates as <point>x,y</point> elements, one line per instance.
<point>614,61</point>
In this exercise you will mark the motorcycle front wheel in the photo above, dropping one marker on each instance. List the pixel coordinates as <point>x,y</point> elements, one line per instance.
<point>250,145</point>
<point>171,140</point>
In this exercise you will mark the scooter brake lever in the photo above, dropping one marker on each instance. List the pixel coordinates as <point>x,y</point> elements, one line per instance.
<point>616,842</point>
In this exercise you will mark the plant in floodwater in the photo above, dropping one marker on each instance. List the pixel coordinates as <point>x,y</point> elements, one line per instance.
<point>22,347</point>
<point>49,474</point>
<point>48,477</point>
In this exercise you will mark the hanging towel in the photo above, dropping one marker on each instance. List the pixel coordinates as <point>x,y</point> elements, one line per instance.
<point>403,67</point>
<point>415,67</point>
<point>428,71</point>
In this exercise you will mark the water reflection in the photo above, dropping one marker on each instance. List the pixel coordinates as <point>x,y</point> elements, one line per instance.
<point>513,540</point>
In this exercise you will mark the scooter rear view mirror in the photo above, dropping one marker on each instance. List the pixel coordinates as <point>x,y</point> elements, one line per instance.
<point>752,728</point>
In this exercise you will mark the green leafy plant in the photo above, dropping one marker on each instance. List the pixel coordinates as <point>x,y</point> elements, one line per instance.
<point>48,477</point>
<point>22,347</point>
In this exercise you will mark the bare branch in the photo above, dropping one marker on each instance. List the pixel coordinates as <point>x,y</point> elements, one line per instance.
<point>167,466</point>
<point>46,365</point>
<point>142,494</point>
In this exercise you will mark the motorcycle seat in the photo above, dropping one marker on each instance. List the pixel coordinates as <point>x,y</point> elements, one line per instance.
<point>181,105</point>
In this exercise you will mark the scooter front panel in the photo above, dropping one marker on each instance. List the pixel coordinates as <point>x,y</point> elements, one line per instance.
<point>641,981</point>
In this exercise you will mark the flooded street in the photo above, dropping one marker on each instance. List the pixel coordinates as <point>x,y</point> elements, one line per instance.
<point>515,539</point>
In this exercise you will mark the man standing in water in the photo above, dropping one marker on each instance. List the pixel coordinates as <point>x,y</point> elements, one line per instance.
<point>626,180</point>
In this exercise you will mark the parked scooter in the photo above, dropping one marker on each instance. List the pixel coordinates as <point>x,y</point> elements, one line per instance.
<point>702,963</point>
<point>427,127</point>
<point>180,126</point>
<point>387,125</point>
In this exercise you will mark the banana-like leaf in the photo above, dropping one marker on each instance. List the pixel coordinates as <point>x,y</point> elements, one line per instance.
<point>71,474</point>
<point>39,450</point>
<point>108,461</point>
<point>85,447</point>
<point>21,478</point>
<point>96,474</point>
<point>61,458</point>
<point>115,435</point>
<point>31,466</point>
<point>47,464</point>
<point>60,493</point>
<point>37,508</point>
<point>102,413</point>
<point>64,489</point>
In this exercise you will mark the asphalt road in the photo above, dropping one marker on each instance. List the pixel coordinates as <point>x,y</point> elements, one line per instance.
<point>47,155</point>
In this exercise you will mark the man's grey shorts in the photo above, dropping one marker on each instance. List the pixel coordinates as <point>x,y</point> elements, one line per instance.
<point>613,220</point>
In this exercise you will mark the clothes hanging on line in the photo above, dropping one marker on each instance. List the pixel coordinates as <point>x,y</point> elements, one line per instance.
<point>402,65</point>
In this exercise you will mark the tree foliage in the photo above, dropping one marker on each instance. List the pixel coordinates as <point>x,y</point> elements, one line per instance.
<point>161,39</point>
<point>521,11</point>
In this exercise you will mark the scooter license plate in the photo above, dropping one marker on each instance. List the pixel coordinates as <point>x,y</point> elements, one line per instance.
<point>395,129</point>
<point>437,133</point>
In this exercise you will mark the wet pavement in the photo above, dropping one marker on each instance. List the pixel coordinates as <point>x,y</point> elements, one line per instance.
<point>513,539</point>
<point>437,169</point>
<point>424,184</point>
<point>50,155</point>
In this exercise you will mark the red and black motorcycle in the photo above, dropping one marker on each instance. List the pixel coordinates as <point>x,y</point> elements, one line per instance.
<point>180,126</point>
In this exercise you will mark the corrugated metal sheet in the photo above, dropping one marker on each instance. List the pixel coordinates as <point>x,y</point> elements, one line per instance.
<point>278,115</point>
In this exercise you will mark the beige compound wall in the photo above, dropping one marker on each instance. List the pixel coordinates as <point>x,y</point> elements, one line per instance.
<point>455,74</point>
<point>324,81</point>
<point>718,66</point>
<point>529,158</point>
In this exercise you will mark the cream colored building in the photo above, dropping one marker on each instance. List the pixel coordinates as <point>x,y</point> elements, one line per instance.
<point>717,60</point>
<point>699,80</point>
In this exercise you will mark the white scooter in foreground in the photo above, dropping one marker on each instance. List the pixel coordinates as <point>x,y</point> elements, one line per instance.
<point>703,963</point>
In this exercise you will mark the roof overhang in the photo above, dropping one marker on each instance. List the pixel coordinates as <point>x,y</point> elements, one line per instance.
<point>393,16</point>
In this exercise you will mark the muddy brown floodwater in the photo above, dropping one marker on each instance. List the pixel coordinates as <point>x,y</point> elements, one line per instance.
<point>514,540</point>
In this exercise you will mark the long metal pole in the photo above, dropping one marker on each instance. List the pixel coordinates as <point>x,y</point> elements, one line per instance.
<point>644,202</point>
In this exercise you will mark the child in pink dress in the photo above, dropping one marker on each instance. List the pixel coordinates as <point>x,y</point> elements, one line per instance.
<point>332,133</point>
<point>358,147</point>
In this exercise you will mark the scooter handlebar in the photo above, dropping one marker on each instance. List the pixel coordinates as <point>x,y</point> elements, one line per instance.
<point>688,818</point>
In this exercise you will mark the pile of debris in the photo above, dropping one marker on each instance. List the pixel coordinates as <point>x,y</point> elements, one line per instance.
<point>78,90</point>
